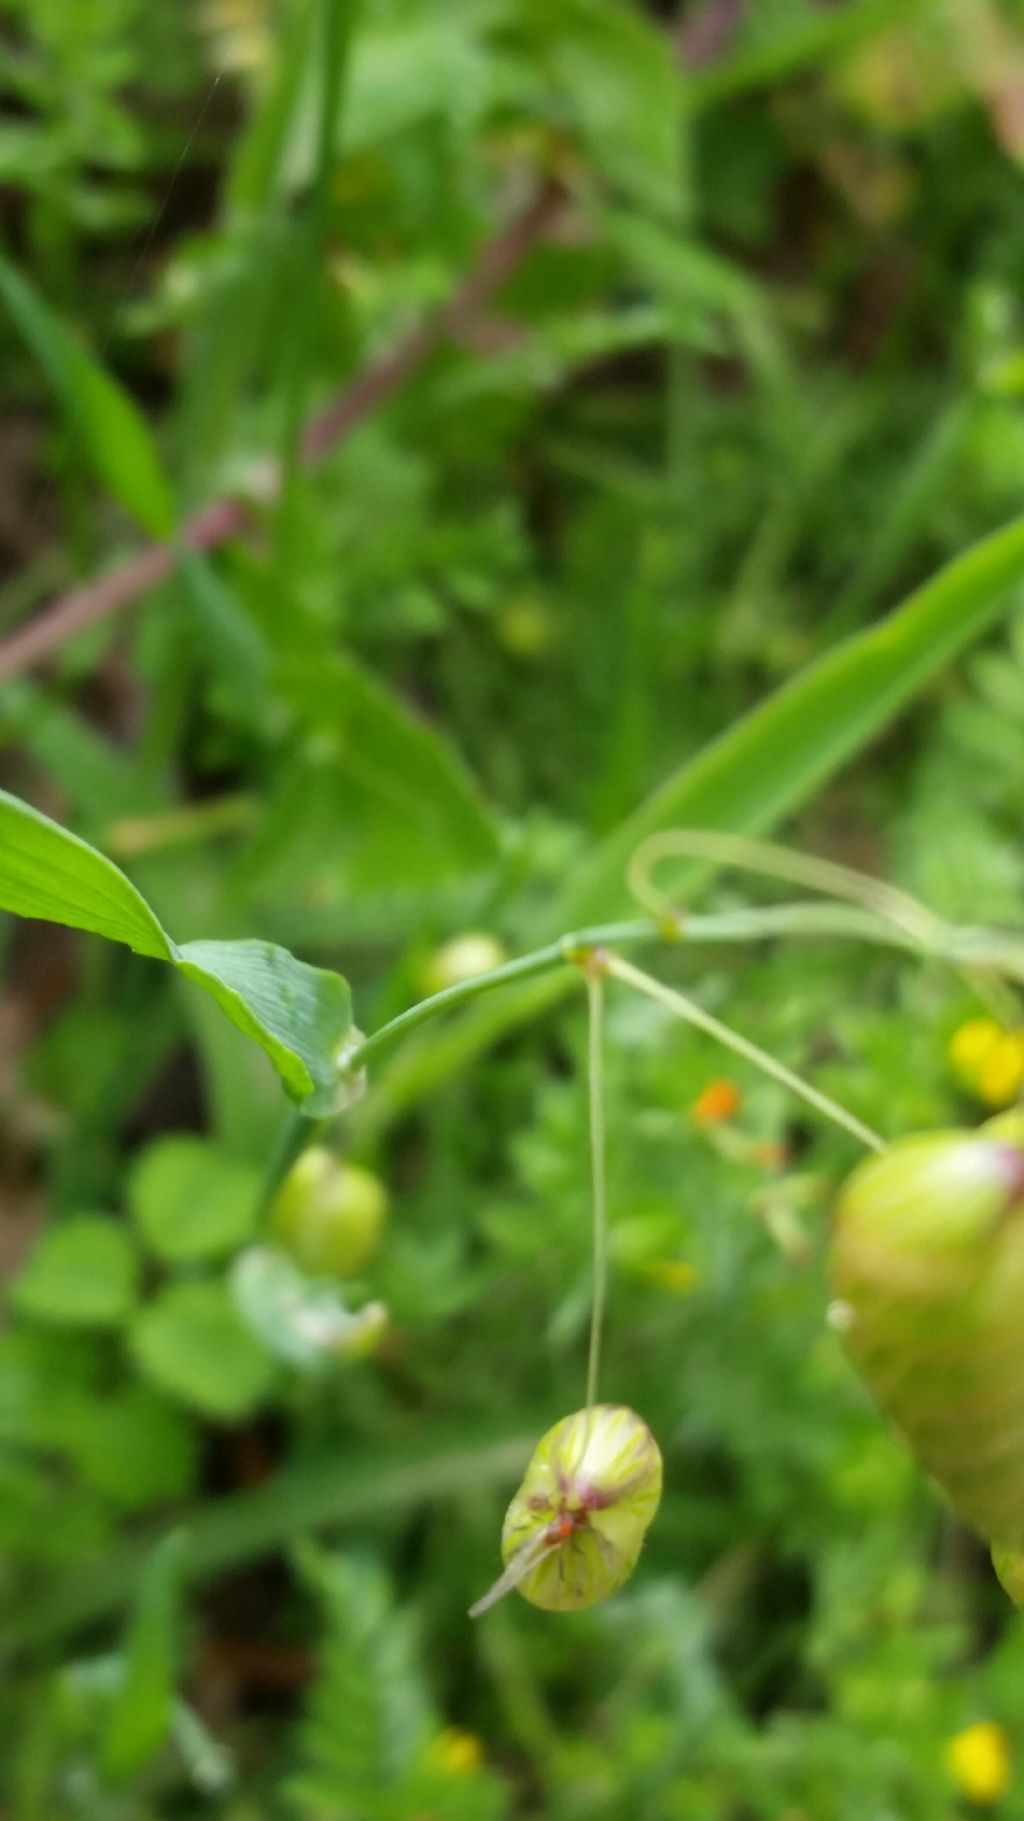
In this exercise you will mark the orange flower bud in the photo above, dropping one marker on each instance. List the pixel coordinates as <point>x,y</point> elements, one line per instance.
<point>719,1101</point>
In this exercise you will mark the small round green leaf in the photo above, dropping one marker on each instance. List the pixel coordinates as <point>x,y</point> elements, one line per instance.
<point>191,1201</point>
<point>83,1272</point>
<point>193,1344</point>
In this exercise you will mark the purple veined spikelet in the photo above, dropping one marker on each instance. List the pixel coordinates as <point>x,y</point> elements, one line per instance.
<point>575,1528</point>
<point>928,1259</point>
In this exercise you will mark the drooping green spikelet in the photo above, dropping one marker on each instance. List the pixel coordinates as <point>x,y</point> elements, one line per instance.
<point>575,1528</point>
<point>928,1257</point>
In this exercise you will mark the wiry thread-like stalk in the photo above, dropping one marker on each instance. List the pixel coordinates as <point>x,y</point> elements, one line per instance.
<point>598,1168</point>
<point>969,950</point>
<point>694,1014</point>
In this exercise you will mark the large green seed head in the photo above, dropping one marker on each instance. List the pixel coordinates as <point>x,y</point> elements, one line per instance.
<point>928,1257</point>
<point>589,1494</point>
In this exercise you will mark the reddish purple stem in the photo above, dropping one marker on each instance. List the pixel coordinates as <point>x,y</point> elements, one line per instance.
<point>85,606</point>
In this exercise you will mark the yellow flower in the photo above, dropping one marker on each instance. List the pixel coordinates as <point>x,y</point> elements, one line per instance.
<point>988,1060</point>
<point>456,1752</point>
<point>1002,1071</point>
<point>969,1045</point>
<point>979,1758</point>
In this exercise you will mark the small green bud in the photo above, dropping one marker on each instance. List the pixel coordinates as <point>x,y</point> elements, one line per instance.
<point>328,1214</point>
<point>928,1261</point>
<point>575,1528</point>
<point>462,959</point>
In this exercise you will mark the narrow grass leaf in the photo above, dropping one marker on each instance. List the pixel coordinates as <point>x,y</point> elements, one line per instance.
<point>778,755</point>
<point>140,1718</point>
<point>99,413</point>
<point>324,1491</point>
<point>746,781</point>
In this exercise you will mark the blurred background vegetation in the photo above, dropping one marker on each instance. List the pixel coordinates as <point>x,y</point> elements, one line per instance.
<point>740,360</point>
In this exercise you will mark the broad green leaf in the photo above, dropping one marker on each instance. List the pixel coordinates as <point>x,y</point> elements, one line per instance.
<point>299,1014</point>
<point>83,1272</point>
<point>98,412</point>
<point>747,780</point>
<point>191,1201</point>
<point>143,1708</point>
<point>47,872</point>
<point>192,1343</point>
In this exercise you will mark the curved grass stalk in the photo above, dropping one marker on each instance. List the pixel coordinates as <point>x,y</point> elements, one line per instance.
<point>771,860</point>
<point>923,926</point>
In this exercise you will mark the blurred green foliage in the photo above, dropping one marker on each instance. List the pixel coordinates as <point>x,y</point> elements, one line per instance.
<point>763,376</point>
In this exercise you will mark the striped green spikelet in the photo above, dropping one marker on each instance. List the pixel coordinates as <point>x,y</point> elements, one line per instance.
<point>575,1528</point>
<point>928,1257</point>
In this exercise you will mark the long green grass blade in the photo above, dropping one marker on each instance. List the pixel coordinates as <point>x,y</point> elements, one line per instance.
<point>141,1716</point>
<point>232,1531</point>
<point>99,413</point>
<point>778,755</point>
<point>747,780</point>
